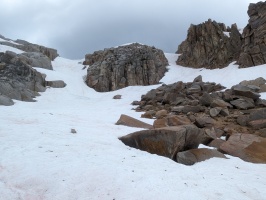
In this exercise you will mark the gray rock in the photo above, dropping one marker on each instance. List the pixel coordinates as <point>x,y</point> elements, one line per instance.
<point>257,119</point>
<point>55,84</point>
<point>204,122</point>
<point>6,101</point>
<point>193,156</point>
<point>118,96</point>
<point>195,88</point>
<point>36,59</point>
<point>206,99</point>
<point>245,91</point>
<point>215,111</point>
<point>129,65</point>
<point>220,103</point>
<point>198,79</point>
<point>243,104</point>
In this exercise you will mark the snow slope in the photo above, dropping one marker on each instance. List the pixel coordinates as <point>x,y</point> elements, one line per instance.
<point>41,160</point>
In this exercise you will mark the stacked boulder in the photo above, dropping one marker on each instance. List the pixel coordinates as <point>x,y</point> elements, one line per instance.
<point>128,65</point>
<point>207,110</point>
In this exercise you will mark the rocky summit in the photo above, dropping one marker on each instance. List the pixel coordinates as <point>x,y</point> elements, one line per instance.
<point>210,45</point>
<point>128,65</point>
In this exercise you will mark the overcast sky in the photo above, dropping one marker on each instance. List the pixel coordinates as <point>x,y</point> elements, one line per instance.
<point>77,27</point>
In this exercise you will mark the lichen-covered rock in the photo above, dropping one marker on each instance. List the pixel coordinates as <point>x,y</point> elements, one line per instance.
<point>210,45</point>
<point>129,65</point>
<point>18,80</point>
<point>253,51</point>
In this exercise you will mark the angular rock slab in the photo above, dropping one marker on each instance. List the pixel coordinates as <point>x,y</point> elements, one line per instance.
<point>132,122</point>
<point>166,141</point>
<point>5,101</point>
<point>250,148</point>
<point>193,156</point>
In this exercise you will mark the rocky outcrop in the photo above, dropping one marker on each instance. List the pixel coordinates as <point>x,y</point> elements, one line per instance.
<point>250,148</point>
<point>210,45</point>
<point>36,59</point>
<point>253,51</point>
<point>238,109</point>
<point>18,80</point>
<point>166,141</point>
<point>29,47</point>
<point>116,68</point>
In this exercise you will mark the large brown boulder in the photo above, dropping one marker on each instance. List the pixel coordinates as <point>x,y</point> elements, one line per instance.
<point>193,156</point>
<point>210,45</point>
<point>253,51</point>
<point>129,65</point>
<point>250,148</point>
<point>166,141</point>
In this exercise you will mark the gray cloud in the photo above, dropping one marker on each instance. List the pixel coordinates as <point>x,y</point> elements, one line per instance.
<point>79,27</point>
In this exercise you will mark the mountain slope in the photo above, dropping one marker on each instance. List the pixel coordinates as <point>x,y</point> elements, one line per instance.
<point>42,159</point>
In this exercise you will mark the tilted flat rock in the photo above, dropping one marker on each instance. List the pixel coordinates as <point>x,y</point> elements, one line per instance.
<point>132,122</point>
<point>250,148</point>
<point>129,65</point>
<point>166,141</point>
<point>193,156</point>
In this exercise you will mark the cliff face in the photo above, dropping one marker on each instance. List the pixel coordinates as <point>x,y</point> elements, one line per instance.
<point>253,51</point>
<point>210,45</point>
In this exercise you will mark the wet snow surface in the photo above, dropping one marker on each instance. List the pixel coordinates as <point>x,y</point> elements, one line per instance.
<point>40,159</point>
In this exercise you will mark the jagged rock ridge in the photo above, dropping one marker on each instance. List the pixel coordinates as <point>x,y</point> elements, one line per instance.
<point>29,47</point>
<point>210,45</point>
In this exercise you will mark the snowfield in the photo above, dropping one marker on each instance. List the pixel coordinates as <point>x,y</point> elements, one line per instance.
<point>40,159</point>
